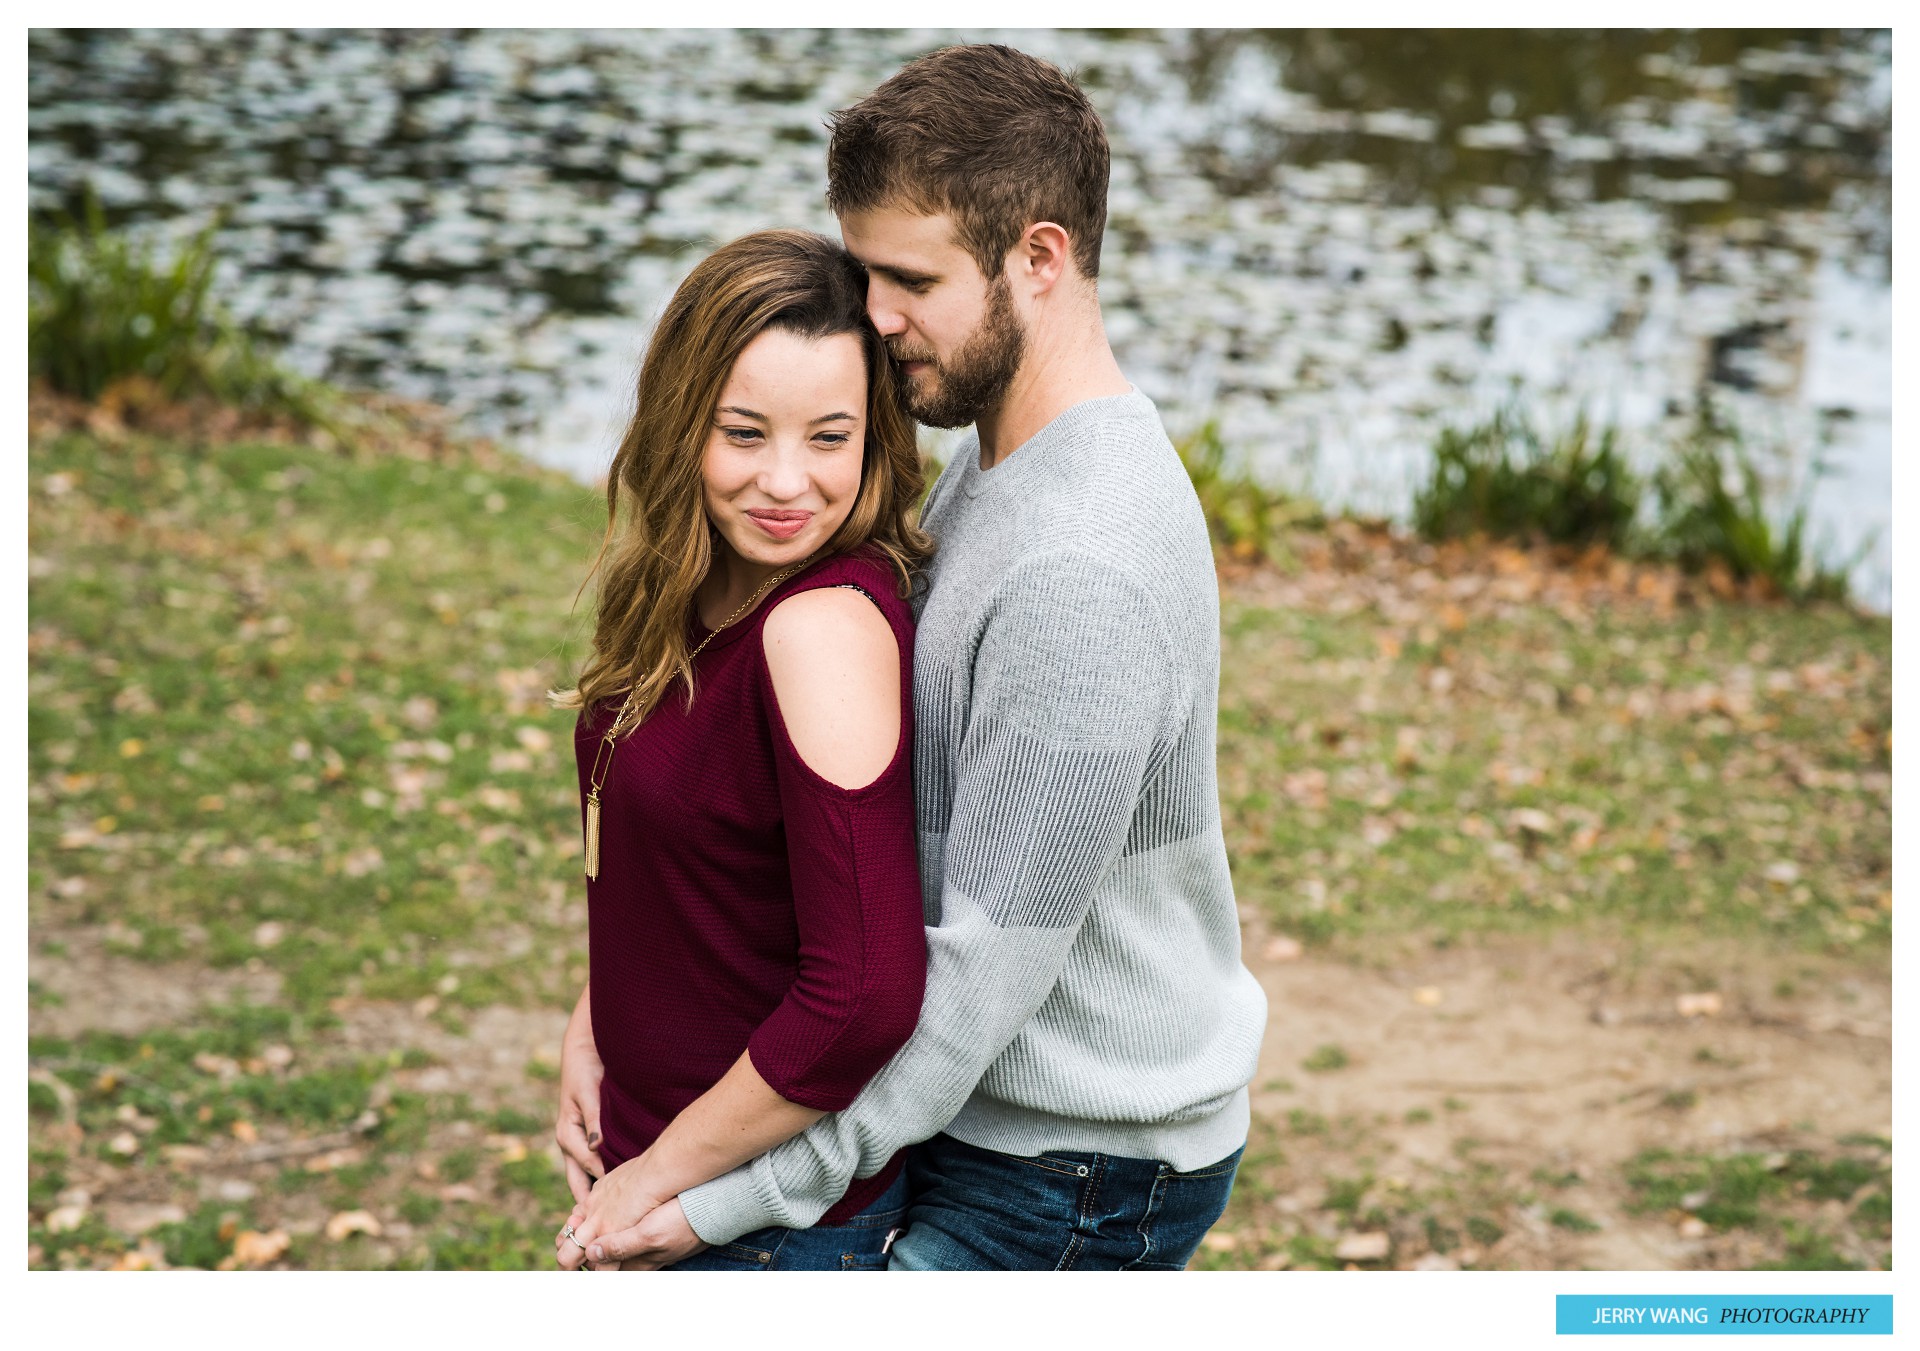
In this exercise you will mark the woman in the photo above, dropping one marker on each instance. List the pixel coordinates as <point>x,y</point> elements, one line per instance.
<point>743,745</point>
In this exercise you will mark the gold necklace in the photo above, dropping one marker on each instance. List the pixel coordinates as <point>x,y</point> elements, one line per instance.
<point>604,753</point>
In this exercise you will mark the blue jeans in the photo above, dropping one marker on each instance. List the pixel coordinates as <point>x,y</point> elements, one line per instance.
<point>858,1245</point>
<point>977,1210</point>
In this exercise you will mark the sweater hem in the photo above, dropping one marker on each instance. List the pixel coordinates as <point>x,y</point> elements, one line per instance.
<point>1008,1128</point>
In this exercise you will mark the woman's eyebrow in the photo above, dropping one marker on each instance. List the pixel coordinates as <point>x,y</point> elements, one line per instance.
<point>836,417</point>
<point>741,412</point>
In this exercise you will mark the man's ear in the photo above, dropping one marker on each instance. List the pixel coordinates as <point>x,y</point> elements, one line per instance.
<point>1043,256</point>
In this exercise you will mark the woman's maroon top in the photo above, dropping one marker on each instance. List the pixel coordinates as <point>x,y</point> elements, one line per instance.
<point>746,903</point>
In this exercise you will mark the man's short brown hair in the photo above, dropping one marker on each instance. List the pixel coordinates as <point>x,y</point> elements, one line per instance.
<point>991,136</point>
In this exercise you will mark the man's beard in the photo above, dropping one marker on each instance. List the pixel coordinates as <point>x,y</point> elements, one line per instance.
<point>974,380</point>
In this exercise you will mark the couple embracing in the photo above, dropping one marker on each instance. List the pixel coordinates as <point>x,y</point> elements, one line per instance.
<point>912,941</point>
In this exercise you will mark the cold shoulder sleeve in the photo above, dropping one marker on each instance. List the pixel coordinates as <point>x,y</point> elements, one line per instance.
<point>855,874</point>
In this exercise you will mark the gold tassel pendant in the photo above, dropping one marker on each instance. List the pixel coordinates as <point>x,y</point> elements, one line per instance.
<point>593,834</point>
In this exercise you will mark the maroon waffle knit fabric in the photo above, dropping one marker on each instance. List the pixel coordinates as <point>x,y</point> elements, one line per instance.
<point>746,903</point>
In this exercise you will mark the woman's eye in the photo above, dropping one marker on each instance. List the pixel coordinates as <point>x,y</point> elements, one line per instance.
<point>834,438</point>
<point>741,436</point>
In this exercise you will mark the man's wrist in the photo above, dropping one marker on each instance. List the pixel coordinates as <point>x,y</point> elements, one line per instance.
<point>730,1205</point>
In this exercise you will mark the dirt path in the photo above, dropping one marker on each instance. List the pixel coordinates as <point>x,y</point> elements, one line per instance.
<point>1567,1061</point>
<point>1470,1073</point>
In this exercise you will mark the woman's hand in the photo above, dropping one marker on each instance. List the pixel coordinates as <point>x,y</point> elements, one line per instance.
<point>577,1130</point>
<point>621,1204</point>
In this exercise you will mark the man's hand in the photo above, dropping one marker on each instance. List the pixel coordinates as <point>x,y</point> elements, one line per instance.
<point>577,1130</point>
<point>661,1239</point>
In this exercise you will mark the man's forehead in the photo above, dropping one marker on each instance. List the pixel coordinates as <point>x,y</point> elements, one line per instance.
<point>898,236</point>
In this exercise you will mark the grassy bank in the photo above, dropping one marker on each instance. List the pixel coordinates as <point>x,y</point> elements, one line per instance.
<point>1441,741</point>
<point>289,756</point>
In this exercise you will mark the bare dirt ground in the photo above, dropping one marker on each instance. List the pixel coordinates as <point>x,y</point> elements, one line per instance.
<point>1568,1061</point>
<point>1519,1060</point>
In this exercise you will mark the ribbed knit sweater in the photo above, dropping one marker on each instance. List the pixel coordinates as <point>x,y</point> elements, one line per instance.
<point>744,903</point>
<point>1084,987</point>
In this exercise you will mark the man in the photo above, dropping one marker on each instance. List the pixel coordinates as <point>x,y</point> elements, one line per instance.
<point>1079,1071</point>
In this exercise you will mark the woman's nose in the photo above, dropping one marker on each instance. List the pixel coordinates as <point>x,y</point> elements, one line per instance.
<point>783,475</point>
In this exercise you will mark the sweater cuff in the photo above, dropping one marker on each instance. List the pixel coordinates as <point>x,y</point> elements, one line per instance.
<point>722,1210</point>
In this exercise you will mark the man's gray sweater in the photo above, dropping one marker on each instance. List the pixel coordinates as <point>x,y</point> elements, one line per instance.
<point>1084,983</point>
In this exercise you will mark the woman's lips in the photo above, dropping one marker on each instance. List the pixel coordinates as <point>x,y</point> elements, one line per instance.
<point>781,524</point>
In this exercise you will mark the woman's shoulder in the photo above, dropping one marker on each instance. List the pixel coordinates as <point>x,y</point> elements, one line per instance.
<point>867,570</point>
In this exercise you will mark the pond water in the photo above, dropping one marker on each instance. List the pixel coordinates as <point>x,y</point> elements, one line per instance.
<point>1331,243</point>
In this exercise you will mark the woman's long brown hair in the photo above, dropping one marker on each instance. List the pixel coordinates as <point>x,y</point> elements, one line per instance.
<point>658,544</point>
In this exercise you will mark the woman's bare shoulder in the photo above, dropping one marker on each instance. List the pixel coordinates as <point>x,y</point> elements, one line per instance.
<point>835,669</point>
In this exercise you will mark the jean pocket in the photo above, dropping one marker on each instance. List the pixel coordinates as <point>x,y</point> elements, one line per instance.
<point>1062,1165</point>
<point>728,1257</point>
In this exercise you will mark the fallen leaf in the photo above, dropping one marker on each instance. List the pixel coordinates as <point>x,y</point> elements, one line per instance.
<point>126,1142</point>
<point>251,1248</point>
<point>1368,1247</point>
<point>1281,948</point>
<point>138,1219</point>
<point>1428,995</point>
<point>244,1132</point>
<point>268,934</point>
<point>536,739</point>
<point>349,1222</point>
<point>332,1159</point>
<point>1434,1261</point>
<point>142,1258</point>
<point>1702,1005</point>
<point>66,1219</point>
<point>362,861</point>
<point>459,1193</point>
<point>1533,820</point>
<point>1693,1227</point>
<point>512,1148</point>
<point>1220,1242</point>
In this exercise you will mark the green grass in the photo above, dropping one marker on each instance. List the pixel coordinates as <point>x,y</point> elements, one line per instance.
<point>1533,768</point>
<point>286,725</point>
<point>104,310</point>
<point>1705,508</point>
<point>1776,1194</point>
<point>1713,509</point>
<point>1505,478</point>
<point>1324,1058</point>
<point>324,748</point>
<point>1248,519</point>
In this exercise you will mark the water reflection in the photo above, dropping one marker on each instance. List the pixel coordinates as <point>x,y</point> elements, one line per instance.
<point>1327,240</point>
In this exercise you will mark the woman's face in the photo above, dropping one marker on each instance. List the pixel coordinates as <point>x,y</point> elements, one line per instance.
<point>783,457</point>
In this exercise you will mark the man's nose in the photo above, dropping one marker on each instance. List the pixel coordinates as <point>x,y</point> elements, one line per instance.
<point>886,318</point>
